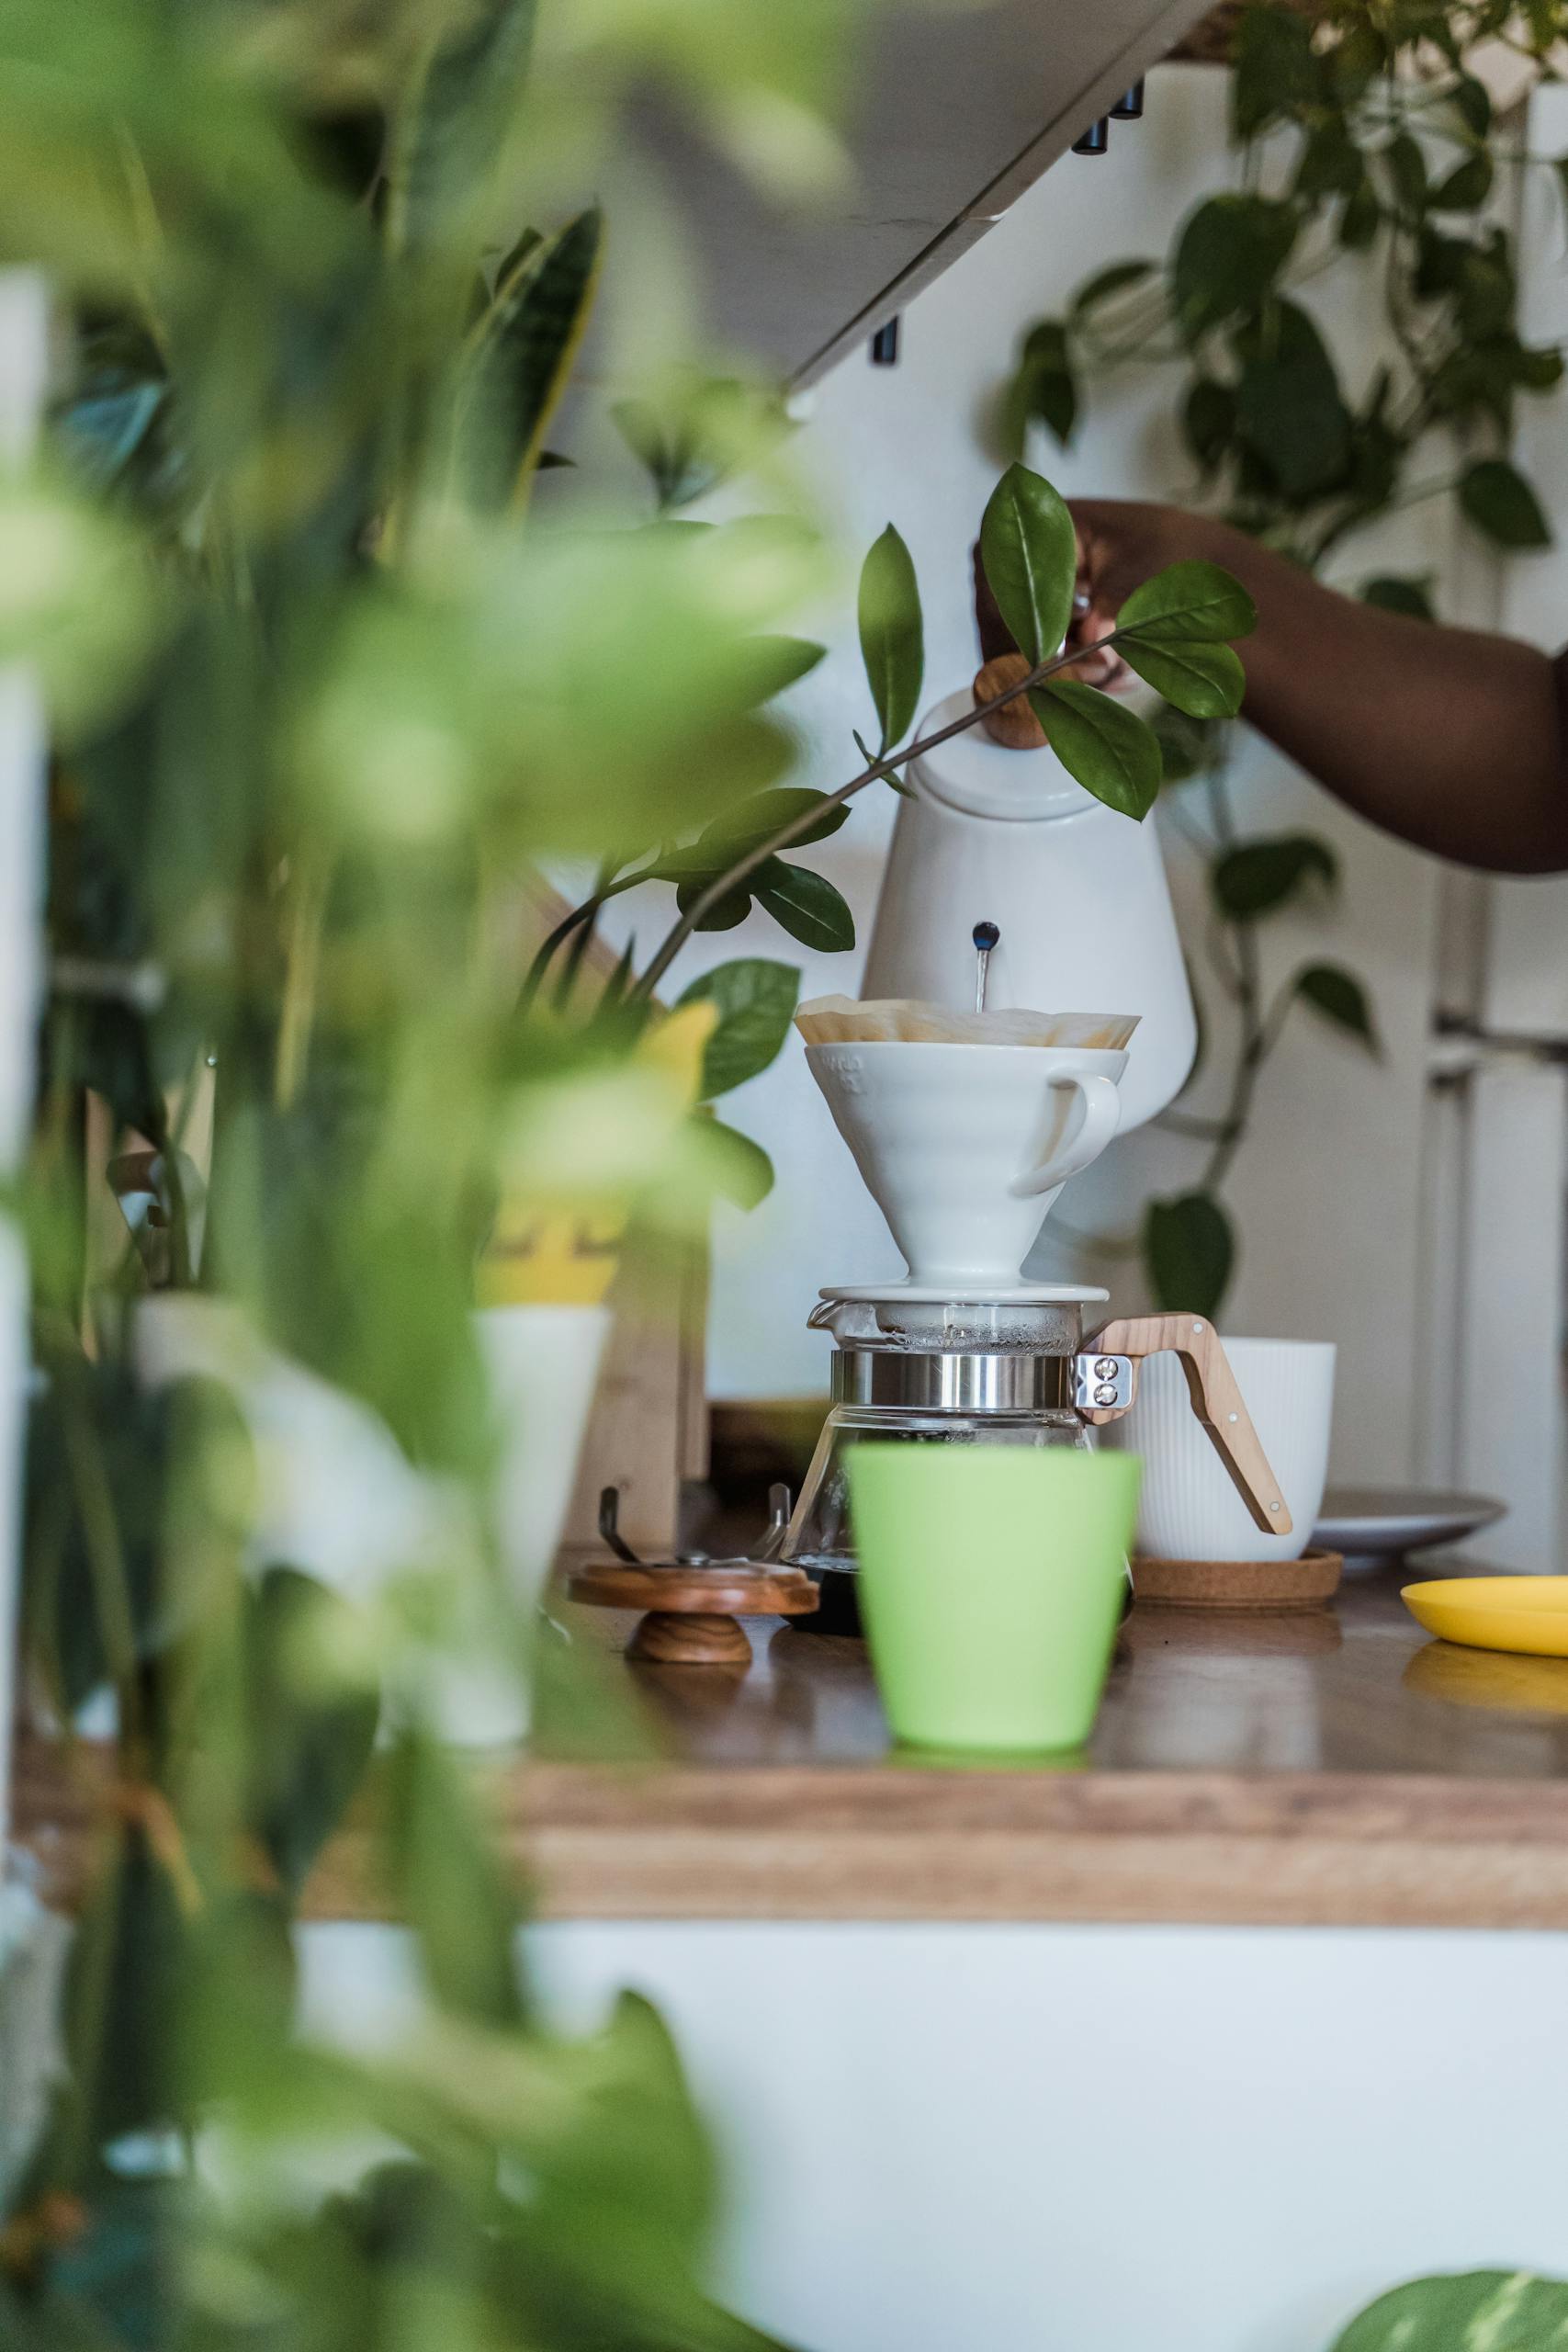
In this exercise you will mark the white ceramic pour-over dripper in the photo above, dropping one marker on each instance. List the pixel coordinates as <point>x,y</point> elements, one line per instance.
<point>965,1148</point>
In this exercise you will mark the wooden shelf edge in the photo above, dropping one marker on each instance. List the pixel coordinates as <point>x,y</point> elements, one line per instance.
<point>896,1843</point>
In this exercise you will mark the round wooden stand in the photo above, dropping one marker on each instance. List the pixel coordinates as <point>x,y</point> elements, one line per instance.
<point>1310,1582</point>
<point>692,1611</point>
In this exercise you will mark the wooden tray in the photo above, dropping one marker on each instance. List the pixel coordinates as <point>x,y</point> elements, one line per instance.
<point>1310,1582</point>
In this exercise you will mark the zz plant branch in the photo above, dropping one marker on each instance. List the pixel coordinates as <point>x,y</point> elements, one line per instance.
<point>1176,629</point>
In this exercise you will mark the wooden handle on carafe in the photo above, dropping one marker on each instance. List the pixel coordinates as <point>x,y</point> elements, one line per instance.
<point>1216,1401</point>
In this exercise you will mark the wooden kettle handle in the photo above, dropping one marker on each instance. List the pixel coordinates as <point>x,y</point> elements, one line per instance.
<point>1216,1401</point>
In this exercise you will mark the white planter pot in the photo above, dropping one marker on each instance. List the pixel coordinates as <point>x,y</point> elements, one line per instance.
<point>543,1364</point>
<point>337,1498</point>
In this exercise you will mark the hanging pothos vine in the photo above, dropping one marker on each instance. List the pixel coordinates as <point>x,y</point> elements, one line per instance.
<point>1367,144</point>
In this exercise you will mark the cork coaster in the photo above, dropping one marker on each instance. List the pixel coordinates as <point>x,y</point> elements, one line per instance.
<point>1310,1582</point>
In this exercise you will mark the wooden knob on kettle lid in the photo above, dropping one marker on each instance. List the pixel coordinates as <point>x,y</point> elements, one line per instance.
<point>1014,725</point>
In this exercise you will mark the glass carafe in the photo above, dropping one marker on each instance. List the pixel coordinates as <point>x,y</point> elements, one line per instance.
<point>929,1372</point>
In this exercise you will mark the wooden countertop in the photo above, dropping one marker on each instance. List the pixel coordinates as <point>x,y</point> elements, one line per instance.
<point>1337,1769</point>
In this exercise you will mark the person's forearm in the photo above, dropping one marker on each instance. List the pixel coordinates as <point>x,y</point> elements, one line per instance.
<point>1451,739</point>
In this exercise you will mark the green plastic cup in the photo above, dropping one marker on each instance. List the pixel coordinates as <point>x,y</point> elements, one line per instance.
<point>992,1579</point>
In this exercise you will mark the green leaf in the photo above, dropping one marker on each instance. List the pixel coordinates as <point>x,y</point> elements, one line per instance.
<point>1331,164</point>
<point>1340,997</point>
<point>1029,552</point>
<point>1258,877</point>
<point>313,1721</point>
<point>1467,185</point>
<point>726,914</point>
<point>777,662</point>
<point>1406,171</point>
<point>1391,594</point>
<point>1275,70</point>
<point>1052,395</point>
<point>1189,1253</point>
<point>806,905</point>
<point>451,130</point>
<point>744,1173</point>
<point>131,1435</point>
<point>1290,410</point>
<point>1472,2310</point>
<point>1500,501</point>
<point>1103,745</point>
<point>1187,604</point>
<point>1472,101</point>
<point>1106,283</point>
<point>1208,420</point>
<point>127,1960</point>
<point>1188,746</point>
<point>1359,54</point>
<point>756,817</point>
<point>522,354</point>
<point>1229,253</point>
<point>756,1000</point>
<point>1045,386</point>
<point>674,465</point>
<point>1538,369</point>
<point>1204,681</point>
<point>1362,218</point>
<point>700,430</point>
<point>450,1884</point>
<point>1486,287</point>
<point>892,639</point>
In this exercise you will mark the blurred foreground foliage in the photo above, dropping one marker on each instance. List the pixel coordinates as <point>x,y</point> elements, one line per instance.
<point>331,685</point>
<point>328,689</point>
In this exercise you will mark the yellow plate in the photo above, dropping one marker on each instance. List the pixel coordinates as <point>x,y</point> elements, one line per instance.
<point>1529,1613</point>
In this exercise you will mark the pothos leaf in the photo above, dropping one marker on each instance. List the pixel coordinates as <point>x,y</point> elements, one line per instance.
<point>744,1173</point>
<point>1121,276</point>
<point>1257,878</point>
<point>1340,997</point>
<point>1229,253</point>
<point>1189,1253</point>
<point>1500,501</point>
<point>1391,593</point>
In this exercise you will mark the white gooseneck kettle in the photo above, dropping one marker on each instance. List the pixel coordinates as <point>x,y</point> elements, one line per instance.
<point>1078,893</point>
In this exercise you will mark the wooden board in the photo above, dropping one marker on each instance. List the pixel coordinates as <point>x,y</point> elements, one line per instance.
<point>1336,1770</point>
<point>648,1430</point>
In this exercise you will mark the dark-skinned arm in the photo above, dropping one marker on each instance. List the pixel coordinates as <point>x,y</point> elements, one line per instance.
<point>1454,740</point>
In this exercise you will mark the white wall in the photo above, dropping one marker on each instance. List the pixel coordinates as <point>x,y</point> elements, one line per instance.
<point>1031,2139</point>
<point>1326,1190</point>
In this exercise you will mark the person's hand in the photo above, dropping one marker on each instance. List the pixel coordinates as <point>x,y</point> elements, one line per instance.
<point>1122,543</point>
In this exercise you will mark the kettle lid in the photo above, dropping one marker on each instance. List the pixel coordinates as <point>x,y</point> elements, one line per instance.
<point>978,777</point>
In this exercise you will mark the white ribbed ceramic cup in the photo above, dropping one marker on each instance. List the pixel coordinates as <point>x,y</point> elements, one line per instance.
<point>1190,1511</point>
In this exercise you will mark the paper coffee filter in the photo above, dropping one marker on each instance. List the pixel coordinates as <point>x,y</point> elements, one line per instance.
<point>841,1020</point>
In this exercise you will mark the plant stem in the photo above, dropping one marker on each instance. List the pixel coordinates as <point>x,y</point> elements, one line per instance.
<point>677,936</point>
<point>587,913</point>
<point>301,979</point>
<point>100,1531</point>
